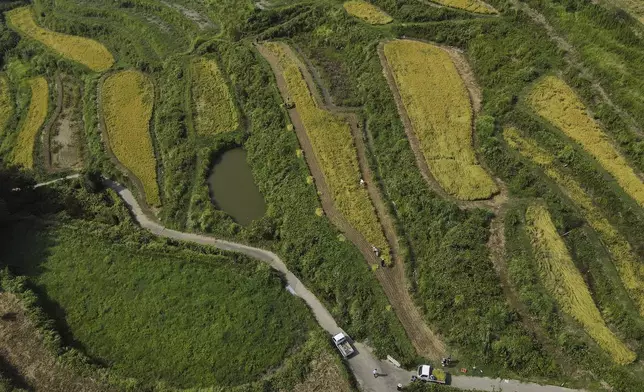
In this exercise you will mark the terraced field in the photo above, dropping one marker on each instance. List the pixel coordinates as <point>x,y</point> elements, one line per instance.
<point>212,104</point>
<point>6,104</point>
<point>82,50</point>
<point>476,6</point>
<point>565,283</point>
<point>439,108</point>
<point>127,102</point>
<point>367,12</point>
<point>556,102</point>
<point>630,269</point>
<point>23,151</point>
<point>332,142</point>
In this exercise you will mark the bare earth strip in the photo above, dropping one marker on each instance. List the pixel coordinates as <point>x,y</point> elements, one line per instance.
<point>391,279</point>
<point>22,348</point>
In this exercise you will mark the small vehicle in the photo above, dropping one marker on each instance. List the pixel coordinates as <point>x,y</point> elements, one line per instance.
<point>341,341</point>
<point>429,374</point>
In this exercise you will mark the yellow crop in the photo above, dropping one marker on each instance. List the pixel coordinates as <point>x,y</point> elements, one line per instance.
<point>214,110</point>
<point>6,105</point>
<point>565,283</point>
<point>36,114</point>
<point>630,270</point>
<point>127,100</point>
<point>468,5</point>
<point>438,106</point>
<point>558,103</point>
<point>82,50</point>
<point>334,149</point>
<point>367,12</point>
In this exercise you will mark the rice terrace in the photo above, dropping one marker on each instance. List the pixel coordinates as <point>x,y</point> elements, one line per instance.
<point>330,196</point>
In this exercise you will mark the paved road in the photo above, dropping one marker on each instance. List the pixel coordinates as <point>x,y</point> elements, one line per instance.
<point>361,364</point>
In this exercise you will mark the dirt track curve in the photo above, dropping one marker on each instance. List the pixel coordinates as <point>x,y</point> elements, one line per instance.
<point>364,361</point>
<point>392,279</point>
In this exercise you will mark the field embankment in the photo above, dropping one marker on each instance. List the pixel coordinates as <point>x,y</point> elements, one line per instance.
<point>556,102</point>
<point>127,102</point>
<point>475,6</point>
<point>367,12</point>
<point>630,269</point>
<point>565,283</point>
<point>332,143</point>
<point>24,149</point>
<point>437,103</point>
<point>213,107</point>
<point>79,49</point>
<point>6,104</point>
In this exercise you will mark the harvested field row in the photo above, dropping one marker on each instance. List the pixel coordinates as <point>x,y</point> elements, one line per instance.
<point>630,269</point>
<point>65,144</point>
<point>367,12</point>
<point>556,102</point>
<point>438,105</point>
<point>565,283</point>
<point>82,50</point>
<point>24,148</point>
<point>6,104</point>
<point>476,6</point>
<point>213,107</point>
<point>332,142</point>
<point>127,100</point>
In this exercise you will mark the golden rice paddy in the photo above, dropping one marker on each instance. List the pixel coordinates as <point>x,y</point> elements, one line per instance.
<point>438,105</point>
<point>367,12</point>
<point>630,269</point>
<point>555,101</point>
<point>468,5</point>
<point>6,104</point>
<point>565,283</point>
<point>82,50</point>
<point>333,146</point>
<point>127,101</point>
<point>23,152</point>
<point>213,107</point>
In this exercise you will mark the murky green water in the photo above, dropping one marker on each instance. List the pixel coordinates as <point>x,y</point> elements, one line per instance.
<point>232,188</point>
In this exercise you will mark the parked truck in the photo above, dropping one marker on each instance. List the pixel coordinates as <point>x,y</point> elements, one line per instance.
<point>430,374</point>
<point>341,341</point>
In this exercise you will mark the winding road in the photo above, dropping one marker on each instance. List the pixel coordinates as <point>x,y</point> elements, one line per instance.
<point>364,361</point>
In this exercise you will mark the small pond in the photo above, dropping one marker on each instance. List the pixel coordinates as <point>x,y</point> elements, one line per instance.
<point>232,188</point>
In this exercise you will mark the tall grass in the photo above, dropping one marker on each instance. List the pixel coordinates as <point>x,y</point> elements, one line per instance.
<point>6,104</point>
<point>82,50</point>
<point>213,106</point>
<point>23,152</point>
<point>630,269</point>
<point>555,101</point>
<point>127,99</point>
<point>476,6</point>
<point>333,145</point>
<point>565,283</point>
<point>367,12</point>
<point>438,105</point>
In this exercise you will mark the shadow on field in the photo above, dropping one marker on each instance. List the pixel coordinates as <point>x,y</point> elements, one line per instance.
<point>15,378</point>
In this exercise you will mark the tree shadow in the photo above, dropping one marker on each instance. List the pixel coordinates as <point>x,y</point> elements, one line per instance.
<point>16,379</point>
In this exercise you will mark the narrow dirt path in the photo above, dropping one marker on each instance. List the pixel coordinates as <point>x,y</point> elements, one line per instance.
<point>392,280</point>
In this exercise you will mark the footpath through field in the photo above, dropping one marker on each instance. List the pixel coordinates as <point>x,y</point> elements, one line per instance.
<point>363,362</point>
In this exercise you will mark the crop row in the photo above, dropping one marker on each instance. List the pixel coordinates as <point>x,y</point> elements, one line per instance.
<point>555,101</point>
<point>631,271</point>
<point>438,105</point>
<point>127,100</point>
<point>367,12</point>
<point>334,149</point>
<point>565,283</point>
<point>36,114</point>
<point>213,106</point>
<point>476,6</point>
<point>6,105</point>
<point>82,50</point>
